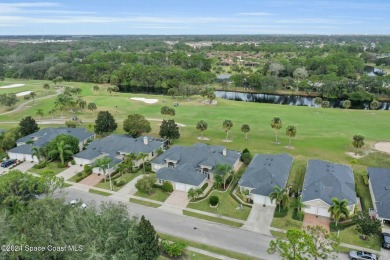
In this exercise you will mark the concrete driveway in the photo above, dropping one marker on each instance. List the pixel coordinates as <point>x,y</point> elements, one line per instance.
<point>70,172</point>
<point>24,166</point>
<point>177,199</point>
<point>259,219</point>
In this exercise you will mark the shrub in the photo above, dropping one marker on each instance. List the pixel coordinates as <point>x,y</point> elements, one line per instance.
<point>40,165</point>
<point>73,162</point>
<point>167,186</point>
<point>365,179</point>
<point>283,212</point>
<point>297,215</point>
<point>173,249</point>
<point>79,174</point>
<point>87,169</point>
<point>119,183</point>
<point>341,225</point>
<point>214,200</point>
<point>246,158</point>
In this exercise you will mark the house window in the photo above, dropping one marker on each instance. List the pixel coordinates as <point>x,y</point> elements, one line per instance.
<point>171,164</point>
<point>152,154</point>
<point>160,181</point>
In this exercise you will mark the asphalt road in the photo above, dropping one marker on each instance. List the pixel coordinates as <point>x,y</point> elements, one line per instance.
<point>214,234</point>
<point>210,233</point>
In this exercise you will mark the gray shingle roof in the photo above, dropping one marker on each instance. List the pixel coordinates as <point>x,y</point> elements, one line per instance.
<point>44,136</point>
<point>326,180</point>
<point>113,144</point>
<point>265,172</point>
<point>189,159</point>
<point>175,174</point>
<point>380,183</point>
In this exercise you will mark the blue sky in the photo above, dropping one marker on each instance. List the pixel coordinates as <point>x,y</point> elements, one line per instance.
<point>194,17</point>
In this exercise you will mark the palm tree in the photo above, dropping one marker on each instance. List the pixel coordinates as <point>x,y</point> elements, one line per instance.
<point>82,103</point>
<point>201,126</point>
<point>143,156</point>
<point>280,196</point>
<point>96,88</point>
<point>338,209</point>
<point>227,125</point>
<point>192,194</point>
<point>109,89</point>
<point>52,112</point>
<point>224,170</point>
<point>297,204</point>
<point>92,107</point>
<point>61,150</point>
<point>35,151</point>
<point>47,87</point>
<point>104,164</point>
<point>40,113</point>
<point>358,142</point>
<point>291,131</point>
<point>276,124</point>
<point>33,95</point>
<point>123,168</point>
<point>245,128</point>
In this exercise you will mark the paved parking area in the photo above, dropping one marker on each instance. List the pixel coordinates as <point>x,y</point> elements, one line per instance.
<point>313,220</point>
<point>177,199</point>
<point>260,219</point>
<point>70,172</point>
<point>23,167</point>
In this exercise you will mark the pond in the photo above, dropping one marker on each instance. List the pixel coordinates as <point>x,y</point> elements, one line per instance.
<point>286,100</point>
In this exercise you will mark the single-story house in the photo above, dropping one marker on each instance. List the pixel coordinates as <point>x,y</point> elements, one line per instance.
<point>189,167</point>
<point>379,185</point>
<point>117,147</point>
<point>41,138</point>
<point>264,173</point>
<point>324,181</point>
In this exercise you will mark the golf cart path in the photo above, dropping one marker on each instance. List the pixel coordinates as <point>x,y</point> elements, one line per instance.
<point>21,106</point>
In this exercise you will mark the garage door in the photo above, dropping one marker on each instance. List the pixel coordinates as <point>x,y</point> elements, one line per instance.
<point>323,212</point>
<point>311,210</point>
<point>180,186</point>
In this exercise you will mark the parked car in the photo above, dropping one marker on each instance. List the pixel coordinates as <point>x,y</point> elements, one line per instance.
<point>7,163</point>
<point>75,202</point>
<point>385,240</point>
<point>361,255</point>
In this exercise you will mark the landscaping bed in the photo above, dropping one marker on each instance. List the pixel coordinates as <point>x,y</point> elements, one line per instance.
<point>156,194</point>
<point>53,166</point>
<point>284,219</point>
<point>226,206</point>
<point>127,177</point>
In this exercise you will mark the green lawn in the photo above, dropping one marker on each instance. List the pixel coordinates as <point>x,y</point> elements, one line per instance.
<point>99,192</point>
<point>226,206</point>
<point>157,194</point>
<point>127,177</point>
<point>213,219</point>
<point>145,203</point>
<point>213,249</point>
<point>53,166</point>
<point>321,133</point>
<point>297,174</point>
<point>351,236</point>
<point>73,178</point>
<point>286,222</point>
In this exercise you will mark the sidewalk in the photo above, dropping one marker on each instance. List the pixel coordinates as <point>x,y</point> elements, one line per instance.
<point>204,252</point>
<point>129,188</point>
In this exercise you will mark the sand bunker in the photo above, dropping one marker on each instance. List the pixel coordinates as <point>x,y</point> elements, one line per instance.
<point>13,86</point>
<point>145,100</point>
<point>24,93</point>
<point>383,147</point>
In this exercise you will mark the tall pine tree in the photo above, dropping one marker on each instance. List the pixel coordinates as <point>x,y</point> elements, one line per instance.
<point>147,241</point>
